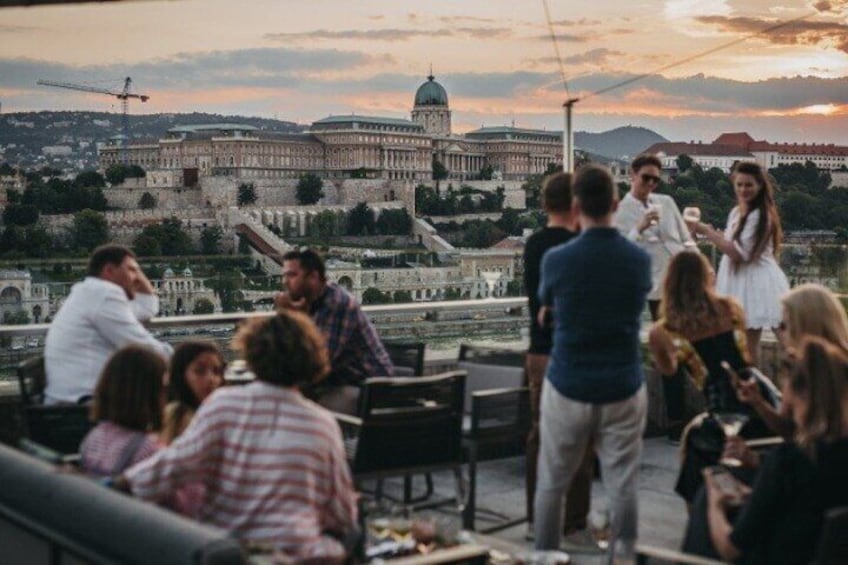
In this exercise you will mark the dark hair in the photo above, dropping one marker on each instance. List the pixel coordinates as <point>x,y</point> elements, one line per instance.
<point>310,261</point>
<point>109,254</point>
<point>556,192</point>
<point>129,392</point>
<point>645,159</point>
<point>768,224</point>
<point>594,187</point>
<point>287,349</point>
<point>689,301</point>
<point>184,354</point>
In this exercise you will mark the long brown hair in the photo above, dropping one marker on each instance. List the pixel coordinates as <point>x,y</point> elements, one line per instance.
<point>821,376</point>
<point>130,390</point>
<point>688,295</point>
<point>768,224</point>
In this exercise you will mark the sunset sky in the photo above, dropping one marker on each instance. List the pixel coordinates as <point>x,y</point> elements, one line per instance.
<point>301,61</point>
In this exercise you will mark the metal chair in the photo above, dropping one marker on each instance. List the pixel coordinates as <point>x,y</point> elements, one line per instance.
<point>407,426</point>
<point>60,427</point>
<point>407,357</point>
<point>497,408</point>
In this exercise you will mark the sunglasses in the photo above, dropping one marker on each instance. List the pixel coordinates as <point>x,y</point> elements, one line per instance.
<point>646,178</point>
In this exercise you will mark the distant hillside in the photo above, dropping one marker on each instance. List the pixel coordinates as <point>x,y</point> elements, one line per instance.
<point>23,134</point>
<point>618,143</point>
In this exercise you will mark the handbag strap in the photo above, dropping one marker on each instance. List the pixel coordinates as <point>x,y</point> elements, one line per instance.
<point>128,453</point>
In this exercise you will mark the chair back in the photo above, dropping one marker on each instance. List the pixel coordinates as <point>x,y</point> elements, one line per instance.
<point>32,379</point>
<point>60,427</point>
<point>489,368</point>
<point>407,357</point>
<point>409,425</point>
<point>833,544</point>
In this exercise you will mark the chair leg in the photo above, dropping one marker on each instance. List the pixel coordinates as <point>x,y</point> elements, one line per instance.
<point>407,489</point>
<point>471,507</point>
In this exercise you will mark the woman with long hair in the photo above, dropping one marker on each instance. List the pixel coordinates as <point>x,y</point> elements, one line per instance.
<point>781,519</point>
<point>701,329</point>
<point>748,270</point>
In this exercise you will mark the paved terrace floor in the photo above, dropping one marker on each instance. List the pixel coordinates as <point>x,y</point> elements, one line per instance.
<point>662,513</point>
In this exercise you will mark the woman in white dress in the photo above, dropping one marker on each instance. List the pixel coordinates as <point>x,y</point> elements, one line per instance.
<point>748,270</point>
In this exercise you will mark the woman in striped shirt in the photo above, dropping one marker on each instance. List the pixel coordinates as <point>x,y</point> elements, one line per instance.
<point>272,462</point>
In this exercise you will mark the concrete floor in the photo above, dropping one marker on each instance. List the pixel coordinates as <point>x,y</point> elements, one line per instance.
<point>662,513</point>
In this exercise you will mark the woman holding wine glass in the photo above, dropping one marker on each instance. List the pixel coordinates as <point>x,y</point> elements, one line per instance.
<point>748,270</point>
<point>781,519</point>
<point>701,329</point>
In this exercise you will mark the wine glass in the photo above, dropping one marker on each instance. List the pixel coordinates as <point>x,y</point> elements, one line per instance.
<point>692,214</point>
<point>654,229</point>
<point>731,423</point>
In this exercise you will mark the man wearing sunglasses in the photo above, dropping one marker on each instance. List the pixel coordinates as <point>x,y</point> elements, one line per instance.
<point>653,222</point>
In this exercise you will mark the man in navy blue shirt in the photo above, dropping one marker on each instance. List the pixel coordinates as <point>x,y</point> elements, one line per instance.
<point>596,286</point>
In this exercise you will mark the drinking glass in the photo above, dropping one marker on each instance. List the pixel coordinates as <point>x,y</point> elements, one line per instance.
<point>653,231</point>
<point>731,423</point>
<point>692,214</point>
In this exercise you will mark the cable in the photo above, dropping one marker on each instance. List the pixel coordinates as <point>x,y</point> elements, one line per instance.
<point>556,48</point>
<point>697,55</point>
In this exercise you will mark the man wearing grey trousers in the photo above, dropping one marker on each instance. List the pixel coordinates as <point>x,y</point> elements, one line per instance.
<point>596,286</point>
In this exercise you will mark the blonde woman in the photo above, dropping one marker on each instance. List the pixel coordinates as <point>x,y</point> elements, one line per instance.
<point>808,310</point>
<point>780,521</point>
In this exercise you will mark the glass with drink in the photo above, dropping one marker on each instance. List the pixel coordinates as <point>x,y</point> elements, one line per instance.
<point>692,214</point>
<point>731,423</point>
<point>654,208</point>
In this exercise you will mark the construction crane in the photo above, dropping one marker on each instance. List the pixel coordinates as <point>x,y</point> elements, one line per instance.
<point>124,96</point>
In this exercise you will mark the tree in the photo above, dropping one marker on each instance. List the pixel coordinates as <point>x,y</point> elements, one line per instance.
<point>246,194</point>
<point>324,224</point>
<point>375,296</point>
<point>684,163</point>
<point>147,201</point>
<point>210,237</point>
<point>118,173</point>
<point>486,172</point>
<point>533,189</point>
<point>394,222</point>
<point>360,221</point>
<point>146,245</point>
<point>20,215</point>
<point>90,229</point>
<point>90,179</point>
<point>360,173</point>
<point>310,189</point>
<point>20,317</point>
<point>440,172</point>
<point>401,296</point>
<point>203,306</point>
<point>170,236</point>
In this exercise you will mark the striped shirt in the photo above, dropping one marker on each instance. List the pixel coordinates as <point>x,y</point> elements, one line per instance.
<point>356,352</point>
<point>273,465</point>
<point>104,447</point>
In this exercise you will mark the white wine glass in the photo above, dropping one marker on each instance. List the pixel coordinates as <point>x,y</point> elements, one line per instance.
<point>692,214</point>
<point>731,423</point>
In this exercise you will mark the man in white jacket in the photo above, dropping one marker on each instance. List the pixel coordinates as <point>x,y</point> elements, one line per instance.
<point>653,222</point>
<point>101,314</point>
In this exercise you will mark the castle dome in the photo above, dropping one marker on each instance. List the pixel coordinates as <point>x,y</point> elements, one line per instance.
<point>431,93</point>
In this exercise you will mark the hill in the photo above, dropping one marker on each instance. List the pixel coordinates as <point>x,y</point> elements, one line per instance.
<point>618,143</point>
<point>24,134</point>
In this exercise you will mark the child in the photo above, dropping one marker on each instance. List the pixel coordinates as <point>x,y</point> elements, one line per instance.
<point>197,369</point>
<point>127,407</point>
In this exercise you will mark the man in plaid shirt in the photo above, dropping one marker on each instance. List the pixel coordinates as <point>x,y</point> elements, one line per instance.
<point>356,351</point>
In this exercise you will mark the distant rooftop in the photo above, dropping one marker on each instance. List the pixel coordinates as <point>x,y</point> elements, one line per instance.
<point>212,127</point>
<point>698,149</point>
<point>508,131</point>
<point>371,120</point>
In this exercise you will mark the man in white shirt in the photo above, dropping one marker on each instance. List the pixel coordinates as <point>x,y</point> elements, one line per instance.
<point>101,314</point>
<point>653,222</point>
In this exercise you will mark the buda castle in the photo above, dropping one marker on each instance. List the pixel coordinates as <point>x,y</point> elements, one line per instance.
<point>350,146</point>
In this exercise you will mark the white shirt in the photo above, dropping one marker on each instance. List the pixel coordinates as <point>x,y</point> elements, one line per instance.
<point>662,242</point>
<point>96,320</point>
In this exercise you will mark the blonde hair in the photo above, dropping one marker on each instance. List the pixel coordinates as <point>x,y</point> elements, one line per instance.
<point>689,300</point>
<point>821,377</point>
<point>813,310</point>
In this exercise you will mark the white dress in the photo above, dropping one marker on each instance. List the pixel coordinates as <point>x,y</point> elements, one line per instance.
<point>758,284</point>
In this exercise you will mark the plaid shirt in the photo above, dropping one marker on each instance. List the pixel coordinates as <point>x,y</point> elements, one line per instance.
<point>356,352</point>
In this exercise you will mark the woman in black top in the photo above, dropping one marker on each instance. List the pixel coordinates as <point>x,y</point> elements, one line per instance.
<point>781,520</point>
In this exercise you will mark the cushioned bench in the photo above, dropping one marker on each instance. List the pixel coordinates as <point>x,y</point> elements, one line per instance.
<point>52,517</point>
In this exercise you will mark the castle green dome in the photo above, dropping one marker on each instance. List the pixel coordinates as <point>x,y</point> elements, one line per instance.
<point>431,93</point>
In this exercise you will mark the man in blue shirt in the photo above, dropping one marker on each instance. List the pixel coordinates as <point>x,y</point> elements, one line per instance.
<point>596,286</point>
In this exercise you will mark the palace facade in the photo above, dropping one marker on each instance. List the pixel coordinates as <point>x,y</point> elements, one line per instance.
<point>346,147</point>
